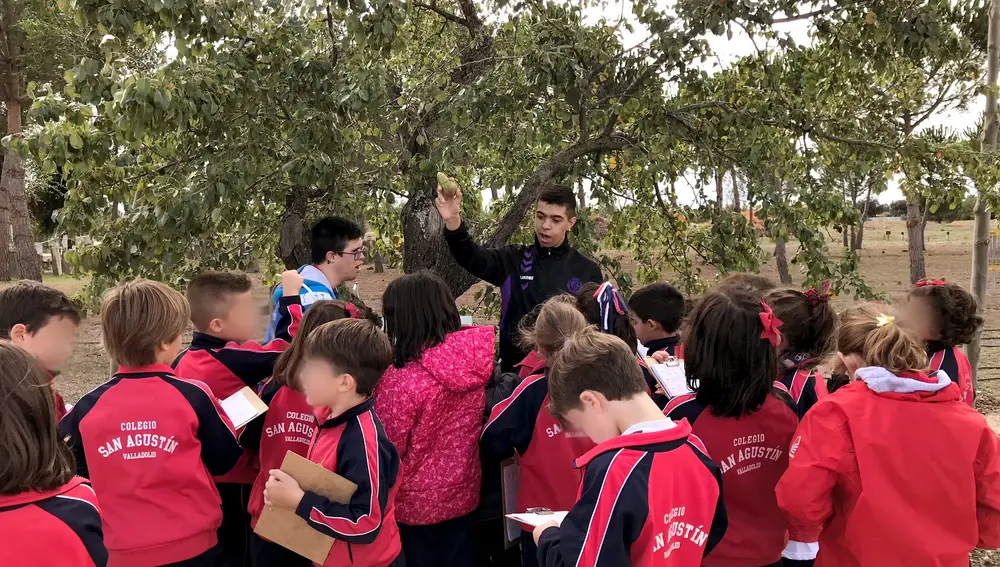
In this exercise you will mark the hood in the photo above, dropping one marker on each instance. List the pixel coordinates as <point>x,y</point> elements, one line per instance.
<point>531,364</point>
<point>33,496</point>
<point>915,386</point>
<point>464,361</point>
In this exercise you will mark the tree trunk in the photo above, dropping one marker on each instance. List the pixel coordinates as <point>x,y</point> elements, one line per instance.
<point>581,196</point>
<point>293,240</point>
<point>915,224</point>
<point>720,192</point>
<point>494,193</point>
<point>846,236</point>
<point>781,259</point>
<point>6,271</point>
<point>736,193</point>
<point>858,237</point>
<point>29,263</point>
<point>991,125</point>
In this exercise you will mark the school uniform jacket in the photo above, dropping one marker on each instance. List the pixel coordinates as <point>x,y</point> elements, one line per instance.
<point>648,499</point>
<point>526,276</point>
<point>288,425</point>
<point>228,366</point>
<point>354,445</point>
<point>150,443</point>
<point>60,403</point>
<point>60,528</point>
<point>804,384</point>
<point>523,424</point>
<point>752,453</point>
<point>894,470</point>
<point>673,347</point>
<point>956,365</point>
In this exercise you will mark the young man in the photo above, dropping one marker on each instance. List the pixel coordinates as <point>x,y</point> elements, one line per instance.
<point>650,494</point>
<point>344,361</point>
<point>149,441</point>
<point>223,356</point>
<point>44,322</point>
<point>337,254</point>
<point>526,275</point>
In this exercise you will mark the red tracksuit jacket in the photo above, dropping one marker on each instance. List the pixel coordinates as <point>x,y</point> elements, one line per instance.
<point>802,382</point>
<point>229,366</point>
<point>59,401</point>
<point>648,499</point>
<point>288,425</point>
<point>354,445</point>
<point>149,442</point>
<point>753,454</point>
<point>58,528</point>
<point>523,424</point>
<point>894,470</point>
<point>956,365</point>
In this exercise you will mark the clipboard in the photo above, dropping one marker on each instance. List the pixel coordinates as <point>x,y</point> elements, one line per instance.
<point>510,476</point>
<point>242,407</point>
<point>285,528</point>
<point>670,376</point>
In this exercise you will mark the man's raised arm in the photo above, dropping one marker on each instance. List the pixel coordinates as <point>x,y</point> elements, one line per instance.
<point>484,263</point>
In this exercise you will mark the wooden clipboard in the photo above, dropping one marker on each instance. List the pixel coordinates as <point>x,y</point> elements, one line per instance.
<point>285,528</point>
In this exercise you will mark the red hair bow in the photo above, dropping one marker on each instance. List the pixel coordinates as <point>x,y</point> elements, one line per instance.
<point>925,283</point>
<point>772,326</point>
<point>352,310</point>
<point>817,296</point>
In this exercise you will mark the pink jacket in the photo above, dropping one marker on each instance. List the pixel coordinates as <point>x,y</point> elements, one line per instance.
<point>432,411</point>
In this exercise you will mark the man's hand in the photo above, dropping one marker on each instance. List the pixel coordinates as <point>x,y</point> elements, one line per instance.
<point>291,283</point>
<point>537,534</point>
<point>450,208</point>
<point>282,490</point>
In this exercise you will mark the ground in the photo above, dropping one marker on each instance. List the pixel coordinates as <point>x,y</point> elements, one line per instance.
<point>884,265</point>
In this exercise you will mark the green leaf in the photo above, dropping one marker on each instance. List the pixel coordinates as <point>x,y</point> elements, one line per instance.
<point>75,141</point>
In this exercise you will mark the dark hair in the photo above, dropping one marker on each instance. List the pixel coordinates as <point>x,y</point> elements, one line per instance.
<point>957,312</point>
<point>32,304</point>
<point>660,302</point>
<point>209,293</point>
<point>332,234</point>
<point>286,368</point>
<point>559,195</point>
<point>592,360</point>
<point>355,347</point>
<point>33,455</point>
<point>809,325</point>
<point>726,361</point>
<point>591,309</point>
<point>745,279</point>
<point>419,312</point>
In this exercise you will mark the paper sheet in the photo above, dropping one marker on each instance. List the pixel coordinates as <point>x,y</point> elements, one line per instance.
<point>466,320</point>
<point>510,472</point>
<point>242,407</point>
<point>671,377</point>
<point>535,520</point>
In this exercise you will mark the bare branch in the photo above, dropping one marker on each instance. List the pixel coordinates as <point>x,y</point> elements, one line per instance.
<point>433,7</point>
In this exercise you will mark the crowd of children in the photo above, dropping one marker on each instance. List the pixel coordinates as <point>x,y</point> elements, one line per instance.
<point>765,462</point>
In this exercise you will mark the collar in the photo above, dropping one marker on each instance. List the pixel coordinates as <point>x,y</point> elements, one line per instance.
<point>30,496</point>
<point>936,346</point>
<point>680,430</point>
<point>650,426</point>
<point>312,273</point>
<point>327,422</point>
<point>145,370</point>
<point>558,251</point>
<point>795,359</point>
<point>658,345</point>
<point>881,380</point>
<point>201,340</point>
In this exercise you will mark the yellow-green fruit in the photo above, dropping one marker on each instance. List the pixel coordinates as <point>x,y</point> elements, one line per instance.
<point>448,187</point>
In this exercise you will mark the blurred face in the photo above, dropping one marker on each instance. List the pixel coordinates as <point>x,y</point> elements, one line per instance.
<point>322,384</point>
<point>51,344</point>
<point>646,331</point>
<point>551,224</point>
<point>241,321</point>
<point>921,318</point>
<point>592,418</point>
<point>347,264</point>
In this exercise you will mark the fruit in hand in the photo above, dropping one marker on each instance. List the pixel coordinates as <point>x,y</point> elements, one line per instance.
<point>449,188</point>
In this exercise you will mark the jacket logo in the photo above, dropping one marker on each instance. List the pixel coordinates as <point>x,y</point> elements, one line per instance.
<point>527,278</point>
<point>795,447</point>
<point>138,440</point>
<point>574,286</point>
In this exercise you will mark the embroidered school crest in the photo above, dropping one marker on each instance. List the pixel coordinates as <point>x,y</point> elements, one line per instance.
<point>574,286</point>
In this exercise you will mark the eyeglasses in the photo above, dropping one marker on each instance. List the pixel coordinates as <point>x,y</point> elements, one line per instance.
<point>358,254</point>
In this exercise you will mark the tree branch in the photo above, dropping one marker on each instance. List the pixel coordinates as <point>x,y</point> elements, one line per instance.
<point>433,7</point>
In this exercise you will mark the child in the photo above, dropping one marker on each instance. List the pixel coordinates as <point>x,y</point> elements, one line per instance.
<point>149,441</point>
<point>223,356</point>
<point>343,363</point>
<point>650,494</point>
<point>731,359</point>
<point>945,316</point>
<point>431,402</point>
<point>807,332</point>
<point>893,469</point>
<point>602,306</point>
<point>44,322</point>
<point>288,425</point>
<point>522,424</point>
<point>47,515</point>
<point>656,312</point>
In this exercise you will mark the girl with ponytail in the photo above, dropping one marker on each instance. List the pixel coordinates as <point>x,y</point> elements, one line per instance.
<point>894,469</point>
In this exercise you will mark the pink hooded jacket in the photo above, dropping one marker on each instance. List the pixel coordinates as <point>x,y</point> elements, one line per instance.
<point>432,411</point>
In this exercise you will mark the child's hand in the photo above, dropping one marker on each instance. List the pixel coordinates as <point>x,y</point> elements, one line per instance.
<point>291,283</point>
<point>282,490</point>
<point>659,390</point>
<point>661,356</point>
<point>538,530</point>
